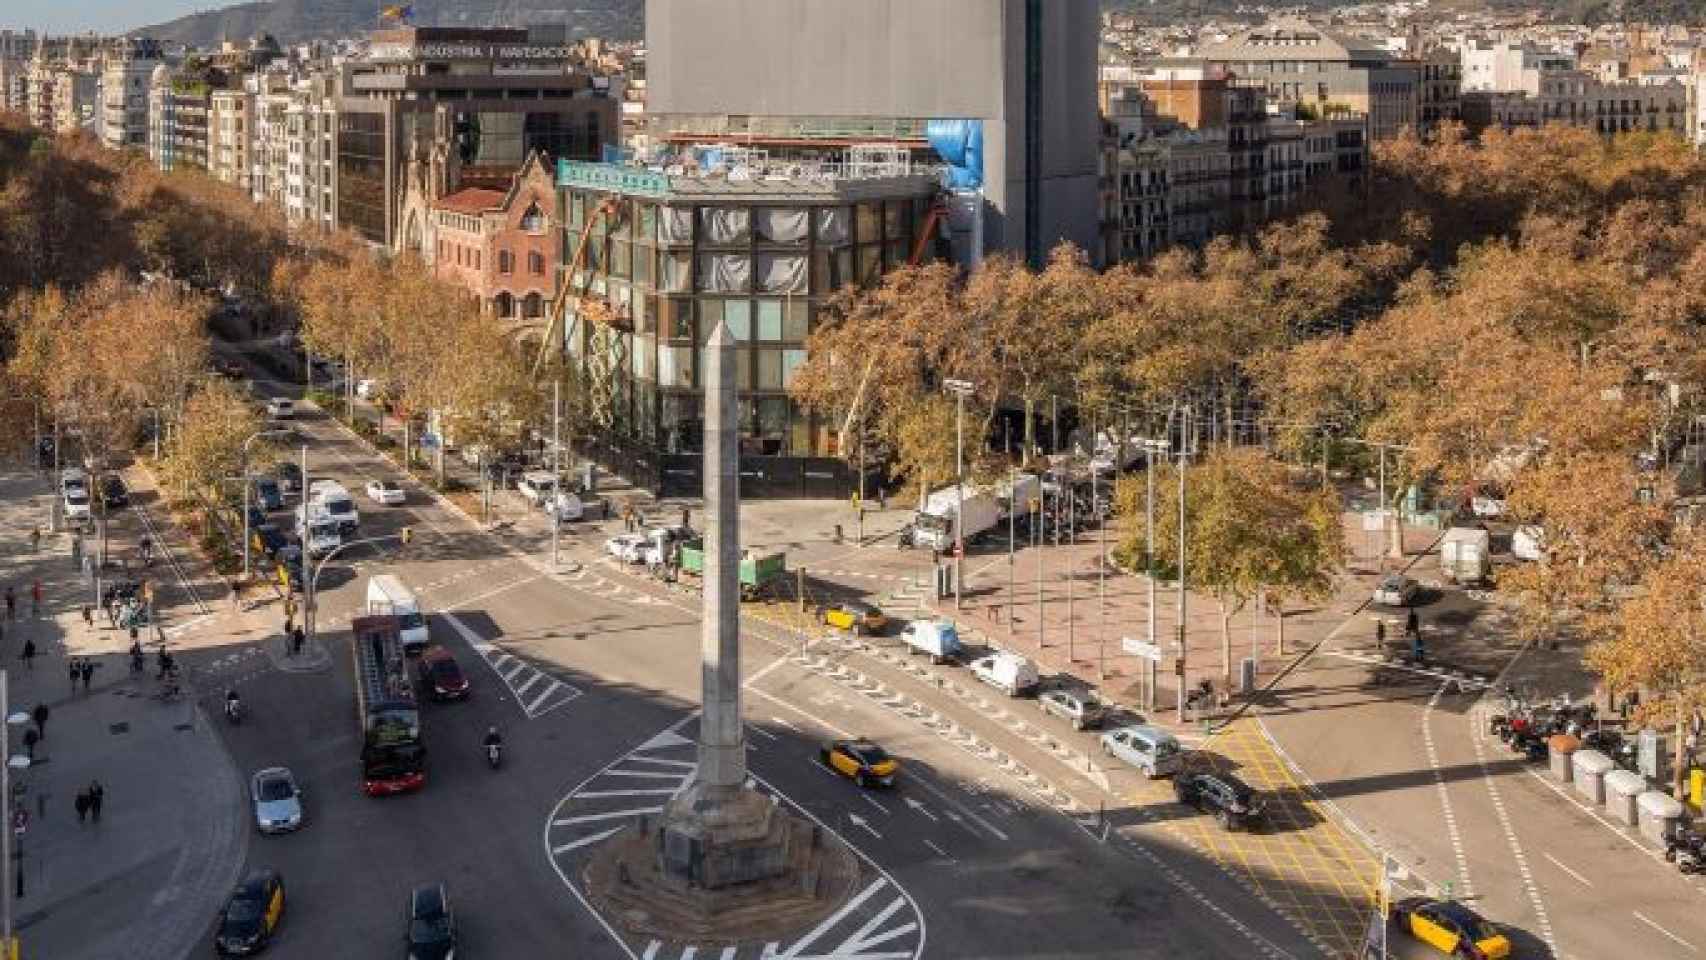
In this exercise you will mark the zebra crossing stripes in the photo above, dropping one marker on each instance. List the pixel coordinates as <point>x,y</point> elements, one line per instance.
<point>536,692</point>
<point>879,922</point>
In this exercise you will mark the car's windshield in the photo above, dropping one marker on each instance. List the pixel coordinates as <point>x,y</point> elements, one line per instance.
<point>410,621</point>
<point>1166,748</point>
<point>267,488</point>
<point>276,788</point>
<point>446,670</point>
<point>933,523</point>
<point>242,915</point>
<point>338,507</point>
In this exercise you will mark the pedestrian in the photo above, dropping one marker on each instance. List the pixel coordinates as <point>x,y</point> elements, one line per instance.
<point>237,595</point>
<point>88,673</point>
<point>627,519</point>
<point>88,616</point>
<point>82,805</point>
<point>882,499</point>
<point>76,668</point>
<point>11,604</point>
<point>29,654</point>
<point>39,715</point>
<point>31,738</point>
<point>35,539</point>
<point>35,599</point>
<point>96,794</point>
<point>135,657</point>
<point>686,515</point>
<point>1380,636</point>
<point>1412,623</point>
<point>297,639</point>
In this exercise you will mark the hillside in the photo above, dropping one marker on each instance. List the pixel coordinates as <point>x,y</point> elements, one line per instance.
<point>293,21</point>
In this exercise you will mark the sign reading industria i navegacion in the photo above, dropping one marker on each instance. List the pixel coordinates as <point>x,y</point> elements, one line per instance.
<point>467,51</point>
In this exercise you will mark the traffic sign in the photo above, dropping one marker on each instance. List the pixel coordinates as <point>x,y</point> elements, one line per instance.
<point>1139,648</point>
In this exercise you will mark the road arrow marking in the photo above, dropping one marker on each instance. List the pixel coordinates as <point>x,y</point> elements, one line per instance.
<point>874,803</point>
<point>939,851</point>
<point>921,809</point>
<point>862,824</point>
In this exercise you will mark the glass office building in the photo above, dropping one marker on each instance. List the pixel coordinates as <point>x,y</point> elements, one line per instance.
<point>667,257</point>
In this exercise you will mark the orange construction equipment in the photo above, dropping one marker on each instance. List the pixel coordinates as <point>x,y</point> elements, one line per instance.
<point>609,209</point>
<point>932,223</point>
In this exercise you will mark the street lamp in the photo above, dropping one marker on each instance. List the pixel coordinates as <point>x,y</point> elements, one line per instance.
<point>960,389</point>
<point>250,439</point>
<point>11,832</point>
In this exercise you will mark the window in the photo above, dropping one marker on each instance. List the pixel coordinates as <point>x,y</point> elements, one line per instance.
<point>738,315</point>
<point>532,221</point>
<point>533,307</point>
<point>770,320</point>
<point>505,304</point>
<point>506,261</point>
<point>536,263</point>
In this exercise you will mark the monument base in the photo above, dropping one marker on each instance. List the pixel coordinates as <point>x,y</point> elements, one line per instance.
<point>745,869</point>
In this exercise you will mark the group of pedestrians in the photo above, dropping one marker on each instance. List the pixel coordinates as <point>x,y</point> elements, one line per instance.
<point>81,669</point>
<point>88,802</point>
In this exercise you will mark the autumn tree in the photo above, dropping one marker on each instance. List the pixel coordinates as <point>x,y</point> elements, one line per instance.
<point>208,444</point>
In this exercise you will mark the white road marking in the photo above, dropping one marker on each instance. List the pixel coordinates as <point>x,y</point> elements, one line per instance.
<point>974,818</point>
<point>873,802</point>
<point>660,760</point>
<point>651,950</point>
<point>862,824</point>
<point>920,809</point>
<point>1517,854</point>
<point>939,851</point>
<point>646,792</point>
<point>762,732</point>
<point>590,817</point>
<point>1452,831</point>
<point>781,722</point>
<point>583,841</point>
<point>533,706</point>
<point>1556,863</point>
<point>833,919</point>
<point>522,690</point>
<point>1642,917</point>
<point>509,666</point>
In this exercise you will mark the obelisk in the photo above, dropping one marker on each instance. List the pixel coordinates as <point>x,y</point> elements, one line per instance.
<point>717,832</point>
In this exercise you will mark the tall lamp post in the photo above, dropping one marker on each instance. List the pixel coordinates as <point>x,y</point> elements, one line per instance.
<point>960,389</point>
<point>12,830</point>
<point>248,440</point>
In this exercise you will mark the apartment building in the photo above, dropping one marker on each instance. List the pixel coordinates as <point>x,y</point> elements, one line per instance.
<point>269,150</point>
<point>16,49</point>
<point>311,161</point>
<point>180,103</point>
<point>127,67</point>
<point>231,128</point>
<point>1579,99</point>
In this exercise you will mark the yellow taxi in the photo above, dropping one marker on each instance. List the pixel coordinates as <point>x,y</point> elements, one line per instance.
<point>861,761</point>
<point>1451,928</point>
<point>252,914</point>
<point>857,616</point>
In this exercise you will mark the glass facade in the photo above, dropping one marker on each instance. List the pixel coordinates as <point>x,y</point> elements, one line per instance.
<point>361,174</point>
<point>505,138</point>
<point>675,269</point>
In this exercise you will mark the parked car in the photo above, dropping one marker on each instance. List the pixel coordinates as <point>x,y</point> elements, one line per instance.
<point>627,547</point>
<point>277,799</point>
<point>1451,928</point>
<point>441,674</point>
<point>857,616</point>
<point>267,493</point>
<point>432,926</point>
<point>861,761</point>
<point>536,486</point>
<point>73,477</point>
<point>1396,590</point>
<point>565,507</point>
<point>113,493</point>
<point>1081,710</point>
<point>76,503</point>
<point>251,914</point>
<point>367,389</point>
<point>1150,749</point>
<point>281,408</point>
<point>387,492</point>
<point>1008,672</point>
<point>1232,801</point>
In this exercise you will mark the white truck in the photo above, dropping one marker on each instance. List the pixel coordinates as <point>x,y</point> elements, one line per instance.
<point>1528,542</point>
<point>933,526</point>
<point>1465,555</point>
<point>338,504</point>
<point>318,530</point>
<point>937,639</point>
<point>387,597</point>
<point>1025,490</point>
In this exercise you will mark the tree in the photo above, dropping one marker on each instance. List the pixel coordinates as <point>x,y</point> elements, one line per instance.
<point>208,444</point>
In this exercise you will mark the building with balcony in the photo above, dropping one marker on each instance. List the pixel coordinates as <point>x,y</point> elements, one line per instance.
<point>503,245</point>
<point>231,130</point>
<point>1576,98</point>
<point>311,161</point>
<point>654,260</point>
<point>501,93</point>
<point>127,67</point>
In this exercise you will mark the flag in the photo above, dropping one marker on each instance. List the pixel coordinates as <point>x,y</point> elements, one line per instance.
<point>397,11</point>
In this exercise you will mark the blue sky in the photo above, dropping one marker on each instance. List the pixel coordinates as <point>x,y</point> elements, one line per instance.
<point>105,16</point>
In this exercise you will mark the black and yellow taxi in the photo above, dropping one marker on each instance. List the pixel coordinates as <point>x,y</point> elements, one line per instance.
<point>861,761</point>
<point>1451,928</point>
<point>857,616</point>
<point>251,915</point>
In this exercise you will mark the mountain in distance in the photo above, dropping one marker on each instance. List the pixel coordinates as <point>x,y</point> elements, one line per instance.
<point>296,21</point>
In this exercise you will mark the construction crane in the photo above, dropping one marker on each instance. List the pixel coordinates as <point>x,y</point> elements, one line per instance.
<point>610,209</point>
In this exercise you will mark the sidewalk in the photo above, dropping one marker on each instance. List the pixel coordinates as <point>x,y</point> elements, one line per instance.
<point>146,880</point>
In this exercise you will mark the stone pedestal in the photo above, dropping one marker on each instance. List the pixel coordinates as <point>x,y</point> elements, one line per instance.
<point>715,837</point>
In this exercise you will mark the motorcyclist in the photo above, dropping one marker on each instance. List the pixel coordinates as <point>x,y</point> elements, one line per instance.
<point>232,702</point>
<point>493,738</point>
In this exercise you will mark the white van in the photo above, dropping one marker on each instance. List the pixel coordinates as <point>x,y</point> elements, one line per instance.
<point>1008,672</point>
<point>318,530</point>
<point>387,597</point>
<point>339,505</point>
<point>536,486</point>
<point>937,639</point>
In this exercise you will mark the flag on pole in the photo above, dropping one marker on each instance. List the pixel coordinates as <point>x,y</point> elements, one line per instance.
<point>397,12</point>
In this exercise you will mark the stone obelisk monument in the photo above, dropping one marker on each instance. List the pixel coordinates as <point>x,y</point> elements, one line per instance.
<point>717,832</point>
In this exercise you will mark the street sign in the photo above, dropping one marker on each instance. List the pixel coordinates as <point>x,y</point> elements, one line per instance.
<point>1139,648</point>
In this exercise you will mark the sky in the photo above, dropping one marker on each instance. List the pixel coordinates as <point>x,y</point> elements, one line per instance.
<point>104,16</point>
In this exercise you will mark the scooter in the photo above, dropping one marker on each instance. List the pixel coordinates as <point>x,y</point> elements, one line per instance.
<point>234,711</point>
<point>1685,849</point>
<point>905,540</point>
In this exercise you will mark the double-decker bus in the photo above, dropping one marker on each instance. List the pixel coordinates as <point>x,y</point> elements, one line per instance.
<point>392,758</point>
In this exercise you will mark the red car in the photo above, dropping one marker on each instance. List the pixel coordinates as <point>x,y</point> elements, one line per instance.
<point>441,675</point>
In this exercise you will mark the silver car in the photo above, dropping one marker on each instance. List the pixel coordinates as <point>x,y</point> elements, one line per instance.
<point>1078,709</point>
<point>1150,749</point>
<point>278,800</point>
<point>1396,590</point>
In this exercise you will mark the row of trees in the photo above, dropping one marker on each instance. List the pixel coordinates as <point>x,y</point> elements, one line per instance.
<point>1520,317</point>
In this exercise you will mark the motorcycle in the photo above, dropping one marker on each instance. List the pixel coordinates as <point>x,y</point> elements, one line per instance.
<point>494,754</point>
<point>234,711</point>
<point>905,540</point>
<point>1687,850</point>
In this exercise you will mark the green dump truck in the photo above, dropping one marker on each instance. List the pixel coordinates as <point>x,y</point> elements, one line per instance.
<point>757,571</point>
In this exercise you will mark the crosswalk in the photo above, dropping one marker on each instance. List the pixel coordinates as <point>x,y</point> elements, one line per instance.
<point>536,692</point>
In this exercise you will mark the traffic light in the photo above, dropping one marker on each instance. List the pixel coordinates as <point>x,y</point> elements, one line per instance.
<point>408,534</point>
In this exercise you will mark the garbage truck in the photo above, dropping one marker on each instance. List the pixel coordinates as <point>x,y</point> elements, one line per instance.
<point>933,526</point>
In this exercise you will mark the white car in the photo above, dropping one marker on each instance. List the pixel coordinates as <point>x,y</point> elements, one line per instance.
<point>76,503</point>
<point>537,486</point>
<point>277,799</point>
<point>1396,590</point>
<point>367,389</point>
<point>281,408</point>
<point>73,477</point>
<point>627,547</point>
<point>386,492</point>
<point>565,507</point>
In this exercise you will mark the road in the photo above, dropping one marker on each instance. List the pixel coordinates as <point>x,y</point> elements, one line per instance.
<point>586,665</point>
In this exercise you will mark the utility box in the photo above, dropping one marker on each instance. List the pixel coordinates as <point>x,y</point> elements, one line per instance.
<point>1622,787</point>
<point>1247,675</point>
<point>1650,754</point>
<point>1590,768</point>
<point>1560,748</point>
<point>1659,814</point>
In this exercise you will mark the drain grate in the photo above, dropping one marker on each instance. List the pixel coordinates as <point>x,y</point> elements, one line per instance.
<point>180,727</point>
<point>123,726</point>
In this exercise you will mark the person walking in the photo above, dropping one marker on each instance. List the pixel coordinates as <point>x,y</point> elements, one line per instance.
<point>35,539</point>
<point>96,794</point>
<point>135,656</point>
<point>11,603</point>
<point>75,667</point>
<point>297,638</point>
<point>29,654</point>
<point>88,673</point>
<point>1380,636</point>
<point>82,805</point>
<point>39,715</point>
<point>35,599</point>
<point>88,616</point>
<point>1412,624</point>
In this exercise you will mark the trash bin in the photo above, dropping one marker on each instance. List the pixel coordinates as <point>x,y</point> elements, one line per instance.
<point>1559,749</point>
<point>1659,813</point>
<point>1590,767</point>
<point>1621,789</point>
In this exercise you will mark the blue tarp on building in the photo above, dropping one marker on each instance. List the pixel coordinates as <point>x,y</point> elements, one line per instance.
<point>960,145</point>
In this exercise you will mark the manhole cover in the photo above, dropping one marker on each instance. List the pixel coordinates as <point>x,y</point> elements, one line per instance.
<point>123,726</point>
<point>180,727</point>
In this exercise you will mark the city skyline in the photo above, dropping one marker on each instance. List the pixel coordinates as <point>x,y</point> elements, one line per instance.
<point>106,16</point>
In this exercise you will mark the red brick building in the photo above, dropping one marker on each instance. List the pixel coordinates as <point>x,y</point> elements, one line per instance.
<point>502,246</point>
